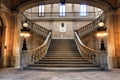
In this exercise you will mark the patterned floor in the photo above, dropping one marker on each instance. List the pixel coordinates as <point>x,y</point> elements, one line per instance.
<point>15,74</point>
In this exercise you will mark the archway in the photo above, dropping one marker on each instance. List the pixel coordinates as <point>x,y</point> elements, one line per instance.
<point>29,4</point>
<point>98,4</point>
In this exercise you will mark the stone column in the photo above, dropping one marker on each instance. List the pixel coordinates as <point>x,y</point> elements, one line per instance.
<point>118,38</point>
<point>113,39</point>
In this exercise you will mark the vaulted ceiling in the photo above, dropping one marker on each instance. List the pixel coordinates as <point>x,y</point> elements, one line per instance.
<point>13,4</point>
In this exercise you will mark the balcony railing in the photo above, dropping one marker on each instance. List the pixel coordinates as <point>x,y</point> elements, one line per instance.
<point>83,15</point>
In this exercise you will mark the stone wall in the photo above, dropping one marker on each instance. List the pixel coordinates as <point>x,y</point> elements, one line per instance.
<point>91,41</point>
<point>35,40</point>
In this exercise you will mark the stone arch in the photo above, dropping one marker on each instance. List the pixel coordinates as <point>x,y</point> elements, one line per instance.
<point>100,4</point>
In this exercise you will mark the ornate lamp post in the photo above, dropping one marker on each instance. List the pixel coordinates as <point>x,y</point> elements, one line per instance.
<point>102,56</point>
<point>25,57</point>
<point>101,32</point>
<point>25,33</point>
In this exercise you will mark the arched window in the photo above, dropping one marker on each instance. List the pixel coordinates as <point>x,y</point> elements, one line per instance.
<point>62,27</point>
<point>83,10</point>
<point>41,10</point>
<point>62,9</point>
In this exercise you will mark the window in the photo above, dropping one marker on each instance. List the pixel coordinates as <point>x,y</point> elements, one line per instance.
<point>62,9</point>
<point>41,10</point>
<point>83,10</point>
<point>62,27</point>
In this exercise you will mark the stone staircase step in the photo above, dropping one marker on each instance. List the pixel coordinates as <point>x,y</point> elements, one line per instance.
<point>62,62</point>
<point>62,65</point>
<point>65,68</point>
<point>62,57</point>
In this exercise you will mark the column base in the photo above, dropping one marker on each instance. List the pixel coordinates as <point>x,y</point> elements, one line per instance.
<point>113,62</point>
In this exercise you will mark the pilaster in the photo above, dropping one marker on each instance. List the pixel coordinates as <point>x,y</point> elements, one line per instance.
<point>15,61</point>
<point>113,39</point>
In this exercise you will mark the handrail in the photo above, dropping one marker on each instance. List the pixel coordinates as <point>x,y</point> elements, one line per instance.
<point>35,27</point>
<point>99,58</point>
<point>45,42</point>
<point>88,53</point>
<point>39,52</point>
<point>89,27</point>
<point>82,43</point>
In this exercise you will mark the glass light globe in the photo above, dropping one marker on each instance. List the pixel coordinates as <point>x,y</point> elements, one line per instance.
<point>25,24</point>
<point>100,24</point>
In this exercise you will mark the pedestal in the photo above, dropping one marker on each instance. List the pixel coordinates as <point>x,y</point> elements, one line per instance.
<point>24,59</point>
<point>103,60</point>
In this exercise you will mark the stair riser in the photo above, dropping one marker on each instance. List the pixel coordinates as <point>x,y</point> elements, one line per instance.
<point>62,56</point>
<point>60,65</point>
<point>63,60</point>
<point>60,62</point>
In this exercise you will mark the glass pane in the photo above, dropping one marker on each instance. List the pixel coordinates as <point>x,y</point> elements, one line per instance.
<point>83,10</point>
<point>41,10</point>
<point>62,9</point>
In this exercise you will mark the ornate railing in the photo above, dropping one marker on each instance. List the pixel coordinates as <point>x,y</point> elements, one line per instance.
<point>82,15</point>
<point>35,27</point>
<point>99,58</point>
<point>88,53</point>
<point>39,29</point>
<point>96,57</point>
<point>89,27</point>
<point>39,52</point>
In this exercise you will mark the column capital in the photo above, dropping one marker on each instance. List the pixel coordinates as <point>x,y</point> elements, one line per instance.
<point>111,12</point>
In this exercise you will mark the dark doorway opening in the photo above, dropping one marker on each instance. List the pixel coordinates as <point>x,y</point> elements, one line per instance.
<point>1,42</point>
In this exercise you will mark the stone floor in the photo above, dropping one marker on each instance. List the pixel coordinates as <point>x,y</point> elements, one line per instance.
<point>15,74</point>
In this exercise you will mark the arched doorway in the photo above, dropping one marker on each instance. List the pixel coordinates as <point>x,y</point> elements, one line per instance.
<point>1,43</point>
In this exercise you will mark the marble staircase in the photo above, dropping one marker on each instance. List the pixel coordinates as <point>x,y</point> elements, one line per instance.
<point>63,55</point>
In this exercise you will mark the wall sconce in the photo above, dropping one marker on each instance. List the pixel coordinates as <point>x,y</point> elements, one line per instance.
<point>101,32</point>
<point>25,32</point>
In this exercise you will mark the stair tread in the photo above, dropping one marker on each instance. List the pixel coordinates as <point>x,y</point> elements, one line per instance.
<point>64,68</point>
<point>63,59</point>
<point>73,62</point>
<point>63,65</point>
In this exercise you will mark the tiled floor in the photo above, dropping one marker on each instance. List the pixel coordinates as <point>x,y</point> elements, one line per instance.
<point>15,74</point>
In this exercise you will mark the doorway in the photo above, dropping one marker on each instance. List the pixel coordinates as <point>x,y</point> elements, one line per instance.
<point>1,43</point>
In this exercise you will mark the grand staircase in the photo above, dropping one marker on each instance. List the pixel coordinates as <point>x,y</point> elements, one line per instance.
<point>63,55</point>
